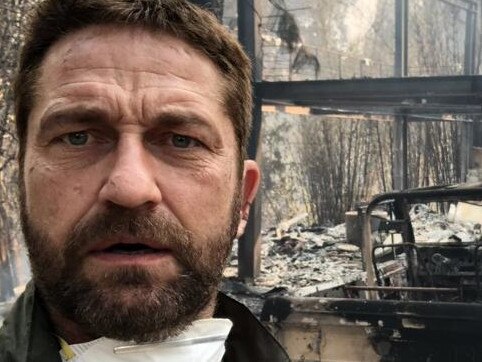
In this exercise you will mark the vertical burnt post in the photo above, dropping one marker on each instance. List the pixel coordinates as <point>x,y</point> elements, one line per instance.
<point>470,56</point>
<point>367,248</point>
<point>249,35</point>
<point>400,166</point>
<point>401,38</point>
<point>470,38</point>
<point>466,142</point>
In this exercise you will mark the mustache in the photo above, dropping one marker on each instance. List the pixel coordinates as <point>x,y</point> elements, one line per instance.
<point>118,222</point>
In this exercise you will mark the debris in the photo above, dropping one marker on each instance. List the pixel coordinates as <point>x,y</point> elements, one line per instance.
<point>321,287</point>
<point>350,248</point>
<point>305,260</point>
<point>285,225</point>
<point>309,260</point>
<point>433,227</point>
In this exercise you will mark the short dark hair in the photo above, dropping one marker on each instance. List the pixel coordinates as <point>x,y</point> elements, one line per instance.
<point>52,20</point>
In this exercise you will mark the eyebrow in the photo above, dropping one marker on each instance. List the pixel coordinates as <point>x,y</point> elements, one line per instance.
<point>181,118</point>
<point>93,115</point>
<point>79,114</point>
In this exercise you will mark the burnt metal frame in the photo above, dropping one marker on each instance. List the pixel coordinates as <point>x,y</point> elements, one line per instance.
<point>476,261</point>
<point>430,194</point>
<point>406,245</point>
<point>413,95</point>
<point>405,330</point>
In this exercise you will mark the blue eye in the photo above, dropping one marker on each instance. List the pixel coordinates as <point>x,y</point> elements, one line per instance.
<point>182,141</point>
<point>77,138</point>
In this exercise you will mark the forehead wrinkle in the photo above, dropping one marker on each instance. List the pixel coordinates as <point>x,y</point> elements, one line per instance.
<point>73,51</point>
<point>92,39</point>
<point>77,113</point>
<point>69,101</point>
<point>138,80</point>
<point>140,71</point>
<point>162,65</point>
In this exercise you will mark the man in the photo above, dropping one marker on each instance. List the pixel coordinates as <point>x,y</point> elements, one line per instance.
<point>133,118</point>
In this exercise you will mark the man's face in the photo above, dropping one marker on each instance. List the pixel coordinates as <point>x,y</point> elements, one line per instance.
<point>132,194</point>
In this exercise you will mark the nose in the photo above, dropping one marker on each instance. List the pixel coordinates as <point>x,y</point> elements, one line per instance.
<point>131,182</point>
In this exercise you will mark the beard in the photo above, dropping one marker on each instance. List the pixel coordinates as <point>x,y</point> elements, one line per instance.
<point>129,302</point>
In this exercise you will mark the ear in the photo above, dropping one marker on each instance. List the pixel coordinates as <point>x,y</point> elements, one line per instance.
<point>251,180</point>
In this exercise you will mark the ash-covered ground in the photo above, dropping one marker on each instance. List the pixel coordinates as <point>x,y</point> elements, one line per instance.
<point>303,258</point>
<point>303,261</point>
<point>299,262</point>
<point>433,227</point>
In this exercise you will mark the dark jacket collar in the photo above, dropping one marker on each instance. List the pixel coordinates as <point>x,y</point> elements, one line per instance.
<point>27,334</point>
<point>248,340</point>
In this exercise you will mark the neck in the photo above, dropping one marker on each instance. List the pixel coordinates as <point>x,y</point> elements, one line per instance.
<point>68,330</point>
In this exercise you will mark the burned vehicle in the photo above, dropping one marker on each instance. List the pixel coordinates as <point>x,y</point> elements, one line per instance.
<point>421,299</point>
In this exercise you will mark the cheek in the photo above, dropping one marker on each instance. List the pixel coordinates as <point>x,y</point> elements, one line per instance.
<point>53,201</point>
<point>42,191</point>
<point>202,201</point>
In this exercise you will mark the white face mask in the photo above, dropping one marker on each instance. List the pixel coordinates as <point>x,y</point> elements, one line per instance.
<point>203,341</point>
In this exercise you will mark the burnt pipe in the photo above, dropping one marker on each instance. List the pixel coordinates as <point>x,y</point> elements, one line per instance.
<point>418,331</point>
<point>457,317</point>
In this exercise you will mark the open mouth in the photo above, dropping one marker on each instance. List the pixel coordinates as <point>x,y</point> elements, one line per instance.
<point>131,249</point>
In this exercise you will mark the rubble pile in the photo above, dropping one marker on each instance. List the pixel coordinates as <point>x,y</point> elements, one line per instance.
<point>432,227</point>
<point>304,260</point>
<point>307,260</point>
